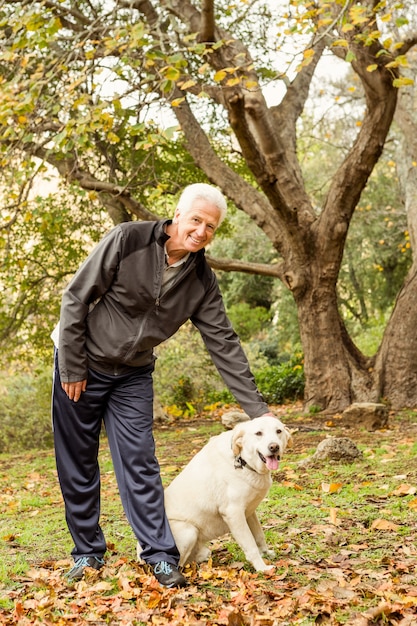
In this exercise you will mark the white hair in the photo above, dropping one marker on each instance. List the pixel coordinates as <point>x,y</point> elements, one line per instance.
<point>205,192</point>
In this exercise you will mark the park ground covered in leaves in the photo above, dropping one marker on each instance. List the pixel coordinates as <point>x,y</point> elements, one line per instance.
<point>345,539</point>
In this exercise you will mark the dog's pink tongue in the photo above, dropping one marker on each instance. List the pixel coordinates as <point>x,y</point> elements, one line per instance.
<point>271,462</point>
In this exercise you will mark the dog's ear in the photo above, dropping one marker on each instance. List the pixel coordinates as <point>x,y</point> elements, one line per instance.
<point>237,437</point>
<point>289,442</point>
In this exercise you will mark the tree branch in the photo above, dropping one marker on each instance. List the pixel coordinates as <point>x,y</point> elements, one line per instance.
<point>407,44</point>
<point>351,177</point>
<point>207,21</point>
<point>116,198</point>
<point>275,270</point>
<point>244,195</point>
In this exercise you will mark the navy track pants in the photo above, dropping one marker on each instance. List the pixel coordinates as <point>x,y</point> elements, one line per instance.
<point>125,404</point>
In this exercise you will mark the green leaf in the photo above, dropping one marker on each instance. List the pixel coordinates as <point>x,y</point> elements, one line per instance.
<point>403,81</point>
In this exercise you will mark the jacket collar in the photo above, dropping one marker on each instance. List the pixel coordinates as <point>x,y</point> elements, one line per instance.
<point>160,235</point>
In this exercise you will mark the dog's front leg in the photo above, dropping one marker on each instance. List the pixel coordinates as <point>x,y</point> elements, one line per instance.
<point>258,533</point>
<point>242,534</point>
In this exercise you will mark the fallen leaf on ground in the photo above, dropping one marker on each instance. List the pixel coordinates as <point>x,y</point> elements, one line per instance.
<point>383,524</point>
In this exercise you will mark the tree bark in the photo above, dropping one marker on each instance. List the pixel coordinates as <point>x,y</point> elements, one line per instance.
<point>396,365</point>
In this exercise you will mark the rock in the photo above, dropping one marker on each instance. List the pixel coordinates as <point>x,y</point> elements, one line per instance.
<point>337,449</point>
<point>340,449</point>
<point>370,415</point>
<point>158,411</point>
<point>231,418</point>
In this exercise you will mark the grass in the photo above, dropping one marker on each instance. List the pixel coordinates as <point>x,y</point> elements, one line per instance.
<point>344,534</point>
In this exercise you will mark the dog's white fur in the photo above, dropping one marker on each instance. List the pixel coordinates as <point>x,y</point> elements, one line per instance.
<point>220,488</point>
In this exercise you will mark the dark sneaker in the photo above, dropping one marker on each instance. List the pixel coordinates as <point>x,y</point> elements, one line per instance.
<point>77,571</point>
<point>168,575</point>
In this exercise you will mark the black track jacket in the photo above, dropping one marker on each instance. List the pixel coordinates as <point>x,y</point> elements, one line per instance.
<point>113,314</point>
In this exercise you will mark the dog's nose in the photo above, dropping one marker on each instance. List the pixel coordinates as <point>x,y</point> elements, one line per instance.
<point>273,448</point>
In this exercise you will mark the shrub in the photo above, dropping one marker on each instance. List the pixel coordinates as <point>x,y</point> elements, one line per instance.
<point>281,383</point>
<point>248,321</point>
<point>25,411</point>
<point>277,383</point>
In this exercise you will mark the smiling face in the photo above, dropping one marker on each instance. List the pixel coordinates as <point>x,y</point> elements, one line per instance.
<point>194,229</point>
<point>261,442</point>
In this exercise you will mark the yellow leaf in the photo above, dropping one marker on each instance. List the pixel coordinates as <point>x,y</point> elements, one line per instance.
<point>171,73</point>
<point>404,490</point>
<point>251,84</point>
<point>218,77</point>
<point>340,42</point>
<point>403,81</point>
<point>331,487</point>
<point>413,504</point>
<point>383,524</point>
<point>177,102</point>
<point>324,22</point>
<point>187,84</point>
<point>291,485</point>
<point>372,68</point>
<point>233,81</point>
<point>112,137</point>
<point>154,599</point>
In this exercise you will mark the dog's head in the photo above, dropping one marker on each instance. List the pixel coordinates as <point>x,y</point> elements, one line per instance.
<point>260,443</point>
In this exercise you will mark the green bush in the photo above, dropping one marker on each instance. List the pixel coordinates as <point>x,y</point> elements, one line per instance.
<point>248,321</point>
<point>185,374</point>
<point>282,383</point>
<point>25,411</point>
<point>277,383</point>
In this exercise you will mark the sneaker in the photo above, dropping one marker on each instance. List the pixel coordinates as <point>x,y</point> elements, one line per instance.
<point>77,571</point>
<point>168,575</point>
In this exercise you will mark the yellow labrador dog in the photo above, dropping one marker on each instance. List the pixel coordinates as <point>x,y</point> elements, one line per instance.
<point>220,488</point>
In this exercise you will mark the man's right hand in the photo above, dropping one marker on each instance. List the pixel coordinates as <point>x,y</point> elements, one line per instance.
<point>74,390</point>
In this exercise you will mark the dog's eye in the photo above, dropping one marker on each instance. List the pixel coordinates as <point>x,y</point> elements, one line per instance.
<point>279,431</point>
<point>259,433</point>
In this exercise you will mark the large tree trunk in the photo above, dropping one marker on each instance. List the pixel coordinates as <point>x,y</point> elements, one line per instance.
<point>325,364</point>
<point>337,372</point>
<point>396,364</point>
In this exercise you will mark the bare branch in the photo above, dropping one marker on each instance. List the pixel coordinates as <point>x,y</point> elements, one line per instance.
<point>242,193</point>
<point>207,21</point>
<point>231,265</point>
<point>116,198</point>
<point>406,45</point>
<point>145,7</point>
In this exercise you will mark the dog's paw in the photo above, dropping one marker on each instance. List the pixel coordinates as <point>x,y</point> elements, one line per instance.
<point>267,569</point>
<point>203,554</point>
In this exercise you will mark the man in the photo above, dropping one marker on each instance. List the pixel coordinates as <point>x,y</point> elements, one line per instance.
<point>136,288</point>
